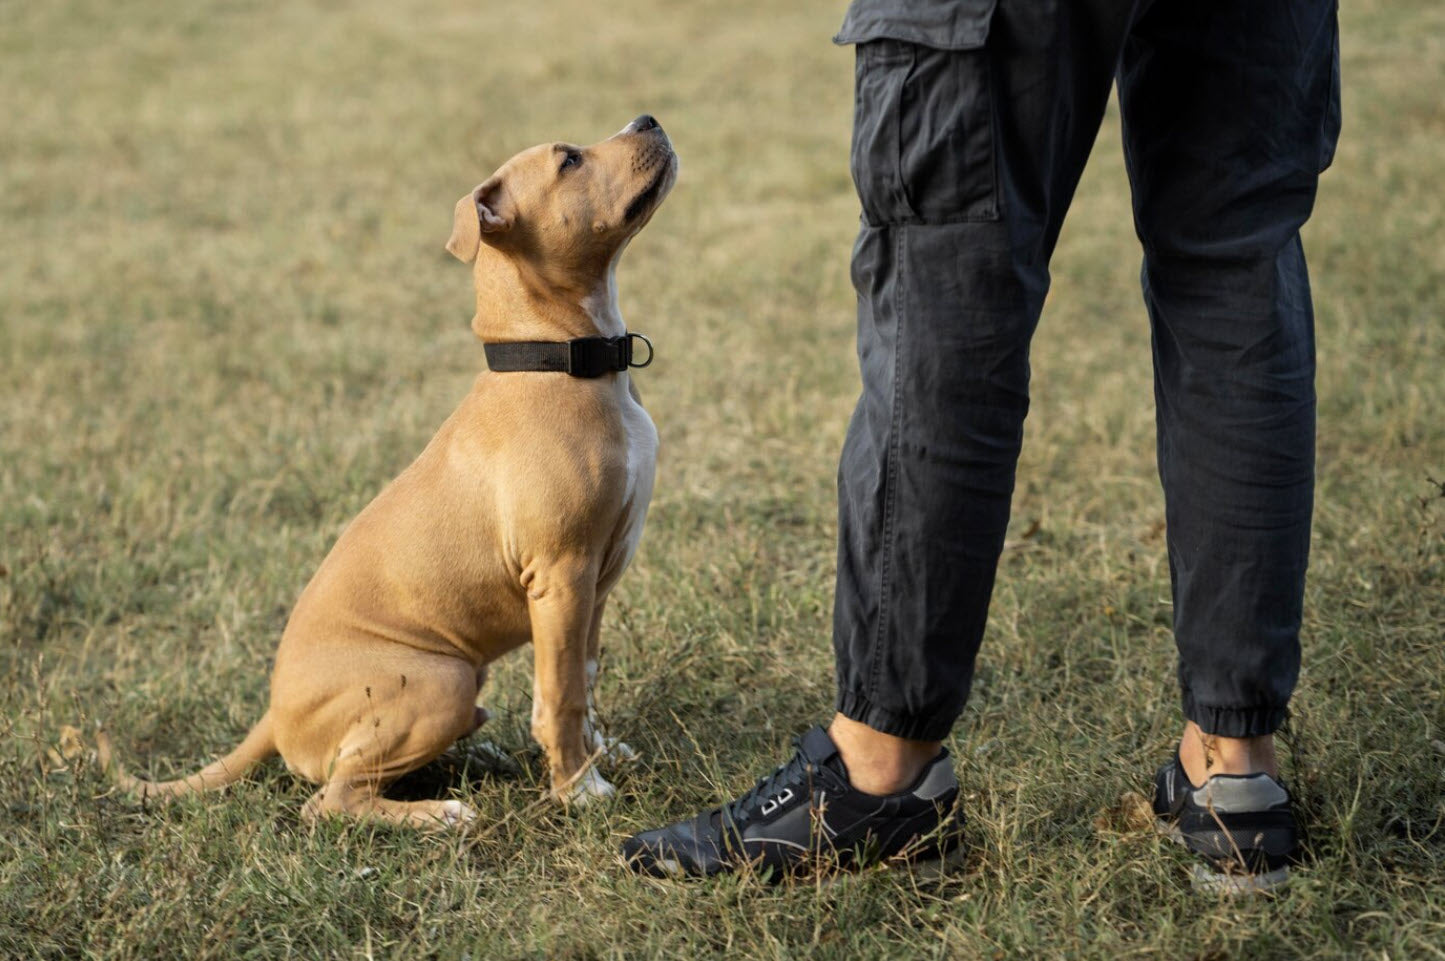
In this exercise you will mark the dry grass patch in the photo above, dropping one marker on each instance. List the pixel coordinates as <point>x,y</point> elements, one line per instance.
<point>226,319</point>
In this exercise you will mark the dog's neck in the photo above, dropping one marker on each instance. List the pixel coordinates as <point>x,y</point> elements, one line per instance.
<point>515,302</point>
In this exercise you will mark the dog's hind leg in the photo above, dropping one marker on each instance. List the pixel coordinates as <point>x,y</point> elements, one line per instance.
<point>362,798</point>
<point>480,715</point>
<point>399,732</point>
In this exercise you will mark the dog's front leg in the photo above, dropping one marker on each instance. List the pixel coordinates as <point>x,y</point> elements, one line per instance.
<point>610,749</point>
<point>560,601</point>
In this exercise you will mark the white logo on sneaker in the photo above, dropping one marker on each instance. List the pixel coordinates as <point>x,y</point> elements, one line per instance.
<point>773,803</point>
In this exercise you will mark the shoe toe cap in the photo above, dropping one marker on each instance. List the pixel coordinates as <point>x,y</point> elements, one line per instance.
<point>668,851</point>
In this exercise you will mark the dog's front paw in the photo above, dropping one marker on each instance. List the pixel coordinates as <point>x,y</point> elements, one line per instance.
<point>617,752</point>
<point>610,751</point>
<point>589,787</point>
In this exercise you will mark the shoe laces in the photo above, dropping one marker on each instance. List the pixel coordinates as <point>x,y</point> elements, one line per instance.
<point>743,809</point>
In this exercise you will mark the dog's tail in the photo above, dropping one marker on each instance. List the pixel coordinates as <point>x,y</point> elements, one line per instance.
<point>258,745</point>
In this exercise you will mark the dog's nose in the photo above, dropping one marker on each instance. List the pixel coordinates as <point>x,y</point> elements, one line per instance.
<point>645,122</point>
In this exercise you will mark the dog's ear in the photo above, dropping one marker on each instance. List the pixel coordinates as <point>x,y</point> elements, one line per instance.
<point>494,207</point>
<point>483,211</point>
<point>466,231</point>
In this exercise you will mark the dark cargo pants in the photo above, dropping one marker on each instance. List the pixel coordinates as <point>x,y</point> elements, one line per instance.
<point>972,125</point>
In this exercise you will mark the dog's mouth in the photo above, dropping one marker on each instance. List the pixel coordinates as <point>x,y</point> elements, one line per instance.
<point>650,194</point>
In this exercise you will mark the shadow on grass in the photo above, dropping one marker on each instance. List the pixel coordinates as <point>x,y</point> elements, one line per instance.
<point>471,764</point>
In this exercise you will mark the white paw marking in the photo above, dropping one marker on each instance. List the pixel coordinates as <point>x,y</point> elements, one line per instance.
<point>608,750</point>
<point>589,788</point>
<point>618,752</point>
<point>455,814</point>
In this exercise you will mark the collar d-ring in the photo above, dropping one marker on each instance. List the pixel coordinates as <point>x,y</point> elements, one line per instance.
<point>642,337</point>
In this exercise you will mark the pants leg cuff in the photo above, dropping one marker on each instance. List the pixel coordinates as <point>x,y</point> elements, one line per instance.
<point>1235,721</point>
<point>856,707</point>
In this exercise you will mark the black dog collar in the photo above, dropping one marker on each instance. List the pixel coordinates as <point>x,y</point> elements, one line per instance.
<point>580,357</point>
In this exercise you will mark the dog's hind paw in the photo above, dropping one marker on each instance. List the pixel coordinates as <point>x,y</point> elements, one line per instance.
<point>454,814</point>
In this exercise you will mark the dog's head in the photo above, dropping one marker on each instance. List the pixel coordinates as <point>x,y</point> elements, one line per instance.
<point>567,210</point>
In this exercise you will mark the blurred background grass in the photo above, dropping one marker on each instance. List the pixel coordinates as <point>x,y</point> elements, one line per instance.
<point>226,320</point>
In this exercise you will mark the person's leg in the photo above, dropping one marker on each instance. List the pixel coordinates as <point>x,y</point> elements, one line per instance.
<point>1229,116</point>
<point>966,152</point>
<point>965,164</point>
<point>1230,113</point>
<point>1203,755</point>
<point>879,763</point>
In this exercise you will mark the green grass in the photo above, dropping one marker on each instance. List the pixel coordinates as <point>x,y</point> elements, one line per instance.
<point>226,320</point>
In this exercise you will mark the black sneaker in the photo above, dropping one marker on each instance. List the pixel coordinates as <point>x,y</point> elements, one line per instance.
<point>806,814</point>
<point>1241,826</point>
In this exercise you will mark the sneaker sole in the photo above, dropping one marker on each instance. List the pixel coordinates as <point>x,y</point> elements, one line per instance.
<point>922,869</point>
<point>927,869</point>
<point>935,869</point>
<point>1207,880</point>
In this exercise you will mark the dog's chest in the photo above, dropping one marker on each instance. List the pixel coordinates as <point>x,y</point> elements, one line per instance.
<point>641,468</point>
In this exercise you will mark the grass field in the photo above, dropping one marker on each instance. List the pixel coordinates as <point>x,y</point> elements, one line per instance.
<point>226,320</point>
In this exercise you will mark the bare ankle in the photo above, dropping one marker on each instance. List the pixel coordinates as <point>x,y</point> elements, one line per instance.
<point>1205,755</point>
<point>879,763</point>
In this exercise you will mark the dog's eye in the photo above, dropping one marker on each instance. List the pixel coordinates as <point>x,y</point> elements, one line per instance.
<point>571,160</point>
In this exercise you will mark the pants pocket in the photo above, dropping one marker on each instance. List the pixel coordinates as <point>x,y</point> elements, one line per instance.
<point>923,143</point>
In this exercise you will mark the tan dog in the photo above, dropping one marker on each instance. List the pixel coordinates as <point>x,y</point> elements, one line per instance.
<point>512,525</point>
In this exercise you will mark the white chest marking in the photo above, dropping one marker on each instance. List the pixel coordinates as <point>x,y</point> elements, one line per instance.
<point>641,469</point>
<point>601,306</point>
